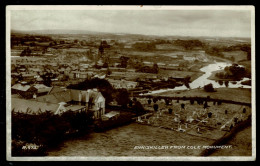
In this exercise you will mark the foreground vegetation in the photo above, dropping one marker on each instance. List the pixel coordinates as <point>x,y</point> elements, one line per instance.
<point>45,130</point>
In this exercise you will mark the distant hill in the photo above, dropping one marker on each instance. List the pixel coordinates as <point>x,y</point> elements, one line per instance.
<point>57,31</point>
<point>122,35</point>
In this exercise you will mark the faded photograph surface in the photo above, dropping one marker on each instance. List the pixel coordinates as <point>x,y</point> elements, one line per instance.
<point>126,83</point>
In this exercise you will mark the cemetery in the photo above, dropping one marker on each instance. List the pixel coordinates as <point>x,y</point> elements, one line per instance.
<point>208,120</point>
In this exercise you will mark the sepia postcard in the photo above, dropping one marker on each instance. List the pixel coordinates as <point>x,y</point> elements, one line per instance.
<point>130,83</point>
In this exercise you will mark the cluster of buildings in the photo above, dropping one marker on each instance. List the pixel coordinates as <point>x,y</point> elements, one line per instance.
<point>59,101</point>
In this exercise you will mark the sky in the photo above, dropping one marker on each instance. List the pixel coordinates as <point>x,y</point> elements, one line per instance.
<point>222,23</point>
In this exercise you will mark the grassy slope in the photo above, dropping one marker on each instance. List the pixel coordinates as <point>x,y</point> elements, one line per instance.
<point>235,94</point>
<point>241,145</point>
<point>122,140</point>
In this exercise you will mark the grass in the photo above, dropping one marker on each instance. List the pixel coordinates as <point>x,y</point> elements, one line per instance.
<point>121,142</point>
<point>234,94</point>
<point>241,145</point>
<point>238,55</point>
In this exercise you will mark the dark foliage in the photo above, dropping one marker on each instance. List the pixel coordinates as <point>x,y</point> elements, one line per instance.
<point>209,88</point>
<point>155,107</point>
<point>123,61</point>
<point>138,108</point>
<point>48,129</point>
<point>191,101</point>
<point>149,101</point>
<point>170,110</point>
<point>189,44</point>
<point>122,97</point>
<point>234,72</point>
<point>101,84</point>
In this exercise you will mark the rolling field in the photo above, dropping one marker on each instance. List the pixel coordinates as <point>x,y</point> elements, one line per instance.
<point>121,141</point>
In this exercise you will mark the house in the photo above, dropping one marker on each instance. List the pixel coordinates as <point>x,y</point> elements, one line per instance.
<point>42,89</point>
<point>91,99</point>
<point>26,91</point>
<point>80,75</point>
<point>119,84</point>
<point>111,115</point>
<point>35,107</point>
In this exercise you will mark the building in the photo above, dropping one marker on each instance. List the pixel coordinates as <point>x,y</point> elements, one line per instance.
<point>91,100</point>
<point>80,74</point>
<point>26,91</point>
<point>35,107</point>
<point>122,84</point>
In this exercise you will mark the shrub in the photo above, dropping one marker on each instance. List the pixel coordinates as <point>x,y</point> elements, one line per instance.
<point>183,106</point>
<point>209,88</point>
<point>149,101</point>
<point>170,111</point>
<point>155,107</point>
<point>191,101</point>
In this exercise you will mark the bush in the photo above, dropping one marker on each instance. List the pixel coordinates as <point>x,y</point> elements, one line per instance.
<point>209,88</point>
<point>170,111</point>
<point>122,97</point>
<point>191,101</point>
<point>183,106</point>
<point>48,129</point>
<point>155,107</point>
<point>149,101</point>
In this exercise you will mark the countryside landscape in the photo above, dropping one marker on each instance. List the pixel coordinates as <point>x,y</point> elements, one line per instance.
<point>91,93</point>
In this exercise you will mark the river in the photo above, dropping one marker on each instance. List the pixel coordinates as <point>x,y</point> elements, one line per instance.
<point>203,80</point>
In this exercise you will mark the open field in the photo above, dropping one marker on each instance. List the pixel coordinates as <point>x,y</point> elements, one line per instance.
<point>180,74</point>
<point>234,94</point>
<point>238,55</point>
<point>132,76</point>
<point>122,140</point>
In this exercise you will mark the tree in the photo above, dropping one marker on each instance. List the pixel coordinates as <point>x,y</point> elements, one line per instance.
<point>47,79</point>
<point>138,107</point>
<point>122,97</point>
<point>244,110</point>
<point>226,83</point>
<point>191,101</point>
<point>205,105</point>
<point>183,106</point>
<point>149,101</point>
<point>130,103</point>
<point>101,84</point>
<point>166,101</point>
<point>209,88</point>
<point>209,114</point>
<point>155,107</point>
<point>155,68</point>
<point>220,82</point>
<point>108,72</point>
<point>101,49</point>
